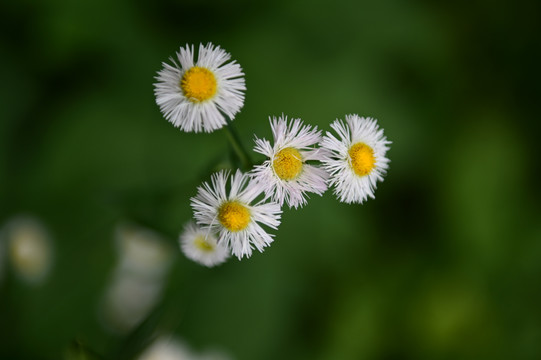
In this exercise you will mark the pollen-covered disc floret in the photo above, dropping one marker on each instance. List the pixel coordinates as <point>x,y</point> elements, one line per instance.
<point>285,175</point>
<point>233,215</point>
<point>287,163</point>
<point>202,246</point>
<point>358,159</point>
<point>199,95</point>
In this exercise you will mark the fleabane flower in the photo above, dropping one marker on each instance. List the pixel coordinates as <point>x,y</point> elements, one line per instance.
<point>195,95</point>
<point>202,246</point>
<point>29,248</point>
<point>231,214</point>
<point>286,176</point>
<point>358,159</point>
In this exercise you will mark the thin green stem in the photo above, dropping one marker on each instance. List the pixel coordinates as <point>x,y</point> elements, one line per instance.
<point>239,149</point>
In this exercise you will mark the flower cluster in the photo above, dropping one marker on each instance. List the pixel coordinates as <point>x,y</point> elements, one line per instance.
<point>233,210</point>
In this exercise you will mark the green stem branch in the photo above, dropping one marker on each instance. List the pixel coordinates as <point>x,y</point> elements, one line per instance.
<point>237,146</point>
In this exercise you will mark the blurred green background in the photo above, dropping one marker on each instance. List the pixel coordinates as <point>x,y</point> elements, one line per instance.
<point>445,263</point>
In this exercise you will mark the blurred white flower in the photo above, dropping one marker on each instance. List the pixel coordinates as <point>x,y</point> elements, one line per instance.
<point>231,214</point>
<point>194,96</point>
<point>29,248</point>
<point>201,246</point>
<point>171,348</point>
<point>138,279</point>
<point>142,250</point>
<point>358,159</point>
<point>129,299</point>
<point>286,176</point>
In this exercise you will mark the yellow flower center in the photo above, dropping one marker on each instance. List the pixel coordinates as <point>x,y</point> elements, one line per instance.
<point>234,216</point>
<point>198,84</point>
<point>362,159</point>
<point>287,163</point>
<point>202,244</point>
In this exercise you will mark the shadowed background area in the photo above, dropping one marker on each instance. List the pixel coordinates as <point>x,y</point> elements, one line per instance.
<point>445,263</point>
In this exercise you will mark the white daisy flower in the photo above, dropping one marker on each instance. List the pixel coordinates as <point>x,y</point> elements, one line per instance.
<point>196,96</point>
<point>202,246</point>
<point>285,176</point>
<point>231,214</point>
<point>358,158</point>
